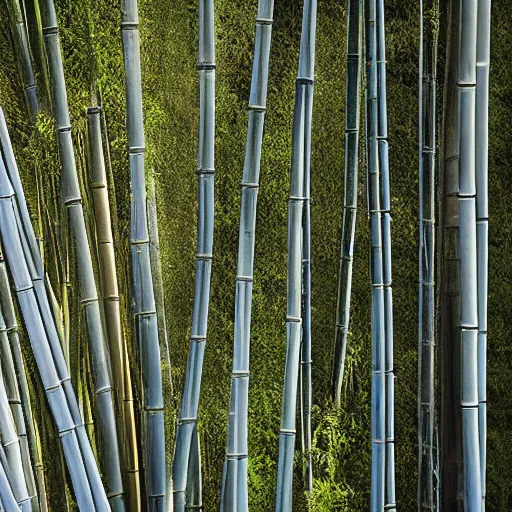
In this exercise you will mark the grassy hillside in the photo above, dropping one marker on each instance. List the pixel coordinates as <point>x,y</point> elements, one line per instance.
<point>91,41</point>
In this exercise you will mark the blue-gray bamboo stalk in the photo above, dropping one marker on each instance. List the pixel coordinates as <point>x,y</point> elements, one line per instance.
<point>482,215</point>
<point>352,108</point>
<point>187,423</point>
<point>466,87</point>
<point>7,499</point>
<point>428,479</point>
<point>378,320</point>
<point>301,147</point>
<point>144,307</point>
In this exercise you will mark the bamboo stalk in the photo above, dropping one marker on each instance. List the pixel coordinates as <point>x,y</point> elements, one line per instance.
<point>428,484</point>
<point>352,108</point>
<point>11,330</point>
<point>59,392</point>
<point>19,32</point>
<point>378,331</point>
<point>143,292</point>
<point>7,499</point>
<point>299,183</point>
<point>482,215</point>
<point>72,201</point>
<point>121,372</point>
<point>466,87</point>
<point>234,495</point>
<point>385,193</point>
<point>187,423</point>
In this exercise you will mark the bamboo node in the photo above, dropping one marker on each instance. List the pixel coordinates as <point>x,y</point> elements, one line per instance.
<point>183,421</point>
<point>136,150</point>
<point>73,201</point>
<point>24,289</point>
<point>296,199</point>
<point>105,389</point>
<point>149,312</point>
<point>264,21</point>
<point>90,300</point>
<point>95,109</point>
<point>205,66</point>
<point>238,374</point>
<point>249,185</point>
<point>129,25</point>
<point>304,80</point>
<point>247,279</point>
<point>196,338</point>
<point>257,108</point>
<point>205,170</point>
<point>114,494</point>
<point>288,431</point>
<point>236,456</point>
<point>64,128</point>
<point>205,257</point>
<point>293,319</point>
<point>141,241</point>
<point>54,29</point>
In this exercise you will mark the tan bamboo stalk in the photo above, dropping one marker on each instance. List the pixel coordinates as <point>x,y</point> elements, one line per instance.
<point>121,372</point>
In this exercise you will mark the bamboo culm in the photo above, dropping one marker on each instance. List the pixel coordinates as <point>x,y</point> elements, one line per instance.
<point>378,323</point>
<point>121,372</point>
<point>11,331</point>
<point>72,203</point>
<point>144,307</point>
<point>57,384</point>
<point>301,148</point>
<point>482,215</point>
<point>187,423</point>
<point>466,87</point>
<point>385,196</point>
<point>7,499</point>
<point>428,484</point>
<point>235,474</point>
<point>20,36</point>
<point>352,100</point>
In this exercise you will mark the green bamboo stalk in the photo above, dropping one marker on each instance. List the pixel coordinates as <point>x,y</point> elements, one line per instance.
<point>72,201</point>
<point>385,193</point>
<point>299,183</point>
<point>143,292</point>
<point>15,403</point>
<point>466,87</point>
<point>378,332</point>
<point>7,499</point>
<point>19,32</point>
<point>352,100</point>
<point>12,448</point>
<point>428,484</point>
<point>234,483</point>
<point>187,423</point>
<point>482,216</point>
<point>59,392</point>
<point>8,315</point>
<point>121,372</point>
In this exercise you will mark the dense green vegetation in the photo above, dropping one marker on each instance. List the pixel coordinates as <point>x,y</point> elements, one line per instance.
<point>91,39</point>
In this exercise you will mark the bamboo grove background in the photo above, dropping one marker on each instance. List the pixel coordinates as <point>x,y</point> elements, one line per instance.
<point>93,60</point>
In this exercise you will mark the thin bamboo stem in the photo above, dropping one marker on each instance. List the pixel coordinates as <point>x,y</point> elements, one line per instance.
<point>378,332</point>
<point>187,423</point>
<point>143,293</point>
<point>299,183</point>
<point>482,218</point>
<point>234,495</point>
<point>428,479</point>
<point>352,109</point>
<point>466,87</point>
<point>121,372</point>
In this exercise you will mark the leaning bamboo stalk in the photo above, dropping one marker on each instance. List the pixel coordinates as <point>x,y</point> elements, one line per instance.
<point>378,405</point>
<point>385,193</point>
<point>37,272</point>
<point>466,87</point>
<point>121,372</point>
<point>301,147</point>
<point>428,484</point>
<point>7,499</point>
<point>9,316</point>
<point>60,401</point>
<point>143,292</point>
<point>187,423</point>
<point>352,100</point>
<point>482,215</point>
<point>234,483</point>
<point>16,406</point>
<point>20,36</point>
<point>72,201</point>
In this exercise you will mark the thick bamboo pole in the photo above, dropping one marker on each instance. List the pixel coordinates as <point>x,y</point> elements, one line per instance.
<point>466,87</point>
<point>482,215</point>
<point>234,482</point>
<point>301,147</point>
<point>19,32</point>
<point>378,333</point>
<point>59,392</point>
<point>428,480</point>
<point>72,201</point>
<point>187,423</point>
<point>146,324</point>
<point>121,372</point>
<point>385,194</point>
<point>352,101</point>
<point>7,499</point>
